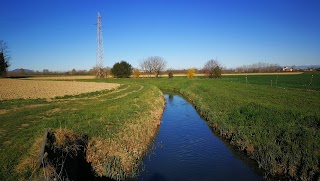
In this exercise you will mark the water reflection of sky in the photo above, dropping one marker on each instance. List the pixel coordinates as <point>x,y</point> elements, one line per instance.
<point>186,149</point>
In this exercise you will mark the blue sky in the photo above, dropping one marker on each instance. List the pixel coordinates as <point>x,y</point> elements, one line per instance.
<point>61,35</point>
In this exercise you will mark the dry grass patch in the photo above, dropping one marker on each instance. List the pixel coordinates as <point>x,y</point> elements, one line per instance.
<point>3,111</point>
<point>24,125</point>
<point>48,166</point>
<point>7,143</point>
<point>66,140</point>
<point>119,158</point>
<point>2,131</point>
<point>30,162</point>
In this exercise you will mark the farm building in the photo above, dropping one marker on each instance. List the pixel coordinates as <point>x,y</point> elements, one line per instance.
<point>287,69</point>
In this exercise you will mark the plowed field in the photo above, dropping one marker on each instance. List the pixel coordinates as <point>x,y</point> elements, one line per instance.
<point>32,89</point>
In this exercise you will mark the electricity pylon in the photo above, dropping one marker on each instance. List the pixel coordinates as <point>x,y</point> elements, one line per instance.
<point>100,72</point>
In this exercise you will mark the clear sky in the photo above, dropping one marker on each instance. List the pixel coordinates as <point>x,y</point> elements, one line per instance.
<point>61,34</point>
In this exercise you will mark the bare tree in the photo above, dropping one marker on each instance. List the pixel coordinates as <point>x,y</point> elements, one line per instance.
<point>4,58</point>
<point>158,64</point>
<point>213,69</point>
<point>146,66</point>
<point>153,65</point>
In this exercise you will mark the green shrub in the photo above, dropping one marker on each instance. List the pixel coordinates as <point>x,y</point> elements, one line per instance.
<point>122,69</point>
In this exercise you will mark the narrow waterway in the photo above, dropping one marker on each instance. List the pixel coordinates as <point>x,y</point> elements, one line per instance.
<point>186,149</point>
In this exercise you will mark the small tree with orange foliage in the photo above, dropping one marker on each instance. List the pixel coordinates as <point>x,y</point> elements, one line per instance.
<point>191,72</point>
<point>136,73</point>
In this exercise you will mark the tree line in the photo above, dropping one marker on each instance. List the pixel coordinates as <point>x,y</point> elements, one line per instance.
<point>154,66</point>
<point>259,68</point>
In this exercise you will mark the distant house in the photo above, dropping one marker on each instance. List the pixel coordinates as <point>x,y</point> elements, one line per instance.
<point>287,69</point>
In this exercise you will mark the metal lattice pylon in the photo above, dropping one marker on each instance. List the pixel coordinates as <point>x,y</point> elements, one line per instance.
<point>100,72</point>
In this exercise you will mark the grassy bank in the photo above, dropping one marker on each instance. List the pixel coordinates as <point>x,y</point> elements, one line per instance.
<point>278,126</point>
<point>118,126</point>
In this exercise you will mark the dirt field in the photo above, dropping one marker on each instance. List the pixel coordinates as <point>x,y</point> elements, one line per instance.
<point>32,89</point>
<point>63,77</point>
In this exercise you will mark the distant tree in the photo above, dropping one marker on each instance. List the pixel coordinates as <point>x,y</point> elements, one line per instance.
<point>170,74</point>
<point>259,67</point>
<point>190,73</point>
<point>107,71</point>
<point>3,66</point>
<point>217,71</point>
<point>93,71</point>
<point>100,72</point>
<point>153,65</point>
<point>146,67</point>
<point>4,58</point>
<point>213,69</point>
<point>136,73</point>
<point>82,72</point>
<point>121,69</point>
<point>73,72</point>
<point>45,71</point>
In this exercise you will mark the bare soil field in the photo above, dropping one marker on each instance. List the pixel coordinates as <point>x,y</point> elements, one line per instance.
<point>32,89</point>
<point>63,77</point>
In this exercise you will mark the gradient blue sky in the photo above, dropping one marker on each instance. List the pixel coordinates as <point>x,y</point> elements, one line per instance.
<point>61,34</point>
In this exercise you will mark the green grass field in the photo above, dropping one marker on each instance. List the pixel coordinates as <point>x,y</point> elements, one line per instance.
<point>121,122</point>
<point>278,125</point>
<point>308,80</point>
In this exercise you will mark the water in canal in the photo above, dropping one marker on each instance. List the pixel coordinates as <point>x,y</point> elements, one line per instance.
<point>186,149</point>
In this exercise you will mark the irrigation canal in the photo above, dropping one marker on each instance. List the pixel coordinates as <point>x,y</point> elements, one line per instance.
<point>186,149</point>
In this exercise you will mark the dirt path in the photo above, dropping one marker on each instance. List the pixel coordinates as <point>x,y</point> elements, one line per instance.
<point>32,89</point>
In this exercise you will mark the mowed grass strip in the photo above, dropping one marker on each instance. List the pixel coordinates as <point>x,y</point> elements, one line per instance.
<point>278,126</point>
<point>120,124</point>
